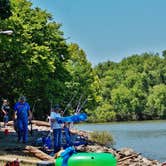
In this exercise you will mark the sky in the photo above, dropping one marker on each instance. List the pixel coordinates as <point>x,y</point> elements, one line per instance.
<point>111,29</point>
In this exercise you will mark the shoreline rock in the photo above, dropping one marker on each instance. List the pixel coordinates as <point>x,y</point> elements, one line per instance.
<point>124,156</point>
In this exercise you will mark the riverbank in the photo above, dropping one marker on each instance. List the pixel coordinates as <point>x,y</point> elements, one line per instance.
<point>124,156</point>
<point>145,137</point>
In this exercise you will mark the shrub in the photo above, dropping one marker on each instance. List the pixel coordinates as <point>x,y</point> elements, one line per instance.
<point>102,137</point>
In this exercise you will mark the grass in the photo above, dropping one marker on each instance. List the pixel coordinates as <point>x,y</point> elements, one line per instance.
<point>102,138</point>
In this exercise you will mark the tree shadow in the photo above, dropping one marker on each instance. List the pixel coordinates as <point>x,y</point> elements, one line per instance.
<point>10,146</point>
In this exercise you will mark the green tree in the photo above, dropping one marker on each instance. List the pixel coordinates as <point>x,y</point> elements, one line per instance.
<point>164,54</point>
<point>122,101</point>
<point>156,106</point>
<point>126,85</point>
<point>84,82</point>
<point>31,61</point>
<point>103,113</point>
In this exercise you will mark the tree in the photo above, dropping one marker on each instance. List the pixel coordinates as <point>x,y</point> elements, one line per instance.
<point>126,85</point>
<point>84,80</point>
<point>156,106</point>
<point>5,11</point>
<point>164,54</point>
<point>30,59</point>
<point>122,101</point>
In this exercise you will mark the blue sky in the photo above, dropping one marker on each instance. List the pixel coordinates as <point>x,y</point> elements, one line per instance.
<point>111,29</point>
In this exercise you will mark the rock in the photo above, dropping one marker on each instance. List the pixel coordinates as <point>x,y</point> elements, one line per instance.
<point>127,151</point>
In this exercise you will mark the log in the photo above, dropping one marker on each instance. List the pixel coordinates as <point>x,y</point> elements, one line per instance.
<point>10,123</point>
<point>38,153</point>
<point>82,133</point>
<point>128,157</point>
<point>40,123</point>
<point>36,122</point>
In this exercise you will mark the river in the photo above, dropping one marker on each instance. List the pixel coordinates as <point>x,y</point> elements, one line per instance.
<point>147,137</point>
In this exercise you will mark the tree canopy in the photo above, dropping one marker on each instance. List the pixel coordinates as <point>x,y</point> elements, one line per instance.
<point>135,87</point>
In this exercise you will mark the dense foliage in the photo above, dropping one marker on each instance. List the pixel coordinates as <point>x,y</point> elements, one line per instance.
<point>134,89</point>
<point>37,61</point>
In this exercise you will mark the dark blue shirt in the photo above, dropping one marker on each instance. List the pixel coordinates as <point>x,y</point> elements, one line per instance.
<point>6,108</point>
<point>22,110</point>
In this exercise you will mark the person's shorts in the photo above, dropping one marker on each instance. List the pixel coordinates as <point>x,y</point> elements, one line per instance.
<point>5,119</point>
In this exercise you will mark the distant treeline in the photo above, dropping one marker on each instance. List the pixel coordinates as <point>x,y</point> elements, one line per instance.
<point>134,89</point>
<point>38,62</point>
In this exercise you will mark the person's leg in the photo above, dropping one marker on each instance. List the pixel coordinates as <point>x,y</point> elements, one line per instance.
<point>55,135</point>
<point>25,130</point>
<point>57,139</point>
<point>5,119</point>
<point>19,129</point>
<point>67,136</point>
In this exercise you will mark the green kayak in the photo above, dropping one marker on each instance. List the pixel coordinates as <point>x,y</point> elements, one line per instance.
<point>89,159</point>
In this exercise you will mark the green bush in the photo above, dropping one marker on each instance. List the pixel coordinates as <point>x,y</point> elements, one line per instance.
<point>102,137</point>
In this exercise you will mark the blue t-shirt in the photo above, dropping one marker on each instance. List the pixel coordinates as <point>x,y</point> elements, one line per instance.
<point>22,110</point>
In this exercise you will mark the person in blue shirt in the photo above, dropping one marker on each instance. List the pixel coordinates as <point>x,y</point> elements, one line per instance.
<point>22,115</point>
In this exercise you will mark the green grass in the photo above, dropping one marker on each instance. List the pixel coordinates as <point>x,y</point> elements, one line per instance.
<point>102,138</point>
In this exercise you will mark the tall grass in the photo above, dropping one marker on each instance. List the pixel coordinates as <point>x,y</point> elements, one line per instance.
<point>103,138</point>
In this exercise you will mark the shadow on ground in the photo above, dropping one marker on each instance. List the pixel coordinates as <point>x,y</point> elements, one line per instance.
<point>9,144</point>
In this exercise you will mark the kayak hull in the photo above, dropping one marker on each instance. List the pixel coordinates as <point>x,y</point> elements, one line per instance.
<point>89,159</point>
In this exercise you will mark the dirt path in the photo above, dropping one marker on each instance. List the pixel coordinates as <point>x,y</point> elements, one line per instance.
<point>10,149</point>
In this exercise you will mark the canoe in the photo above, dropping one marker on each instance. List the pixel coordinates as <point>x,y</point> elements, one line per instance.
<point>89,159</point>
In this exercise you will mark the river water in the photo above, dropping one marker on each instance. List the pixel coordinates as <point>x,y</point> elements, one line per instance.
<point>147,138</point>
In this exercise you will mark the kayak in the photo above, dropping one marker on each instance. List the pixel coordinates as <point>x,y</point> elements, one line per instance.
<point>89,159</point>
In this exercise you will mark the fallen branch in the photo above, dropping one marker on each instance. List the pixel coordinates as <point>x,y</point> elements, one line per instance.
<point>128,157</point>
<point>38,153</point>
<point>40,123</point>
<point>82,133</point>
<point>36,122</point>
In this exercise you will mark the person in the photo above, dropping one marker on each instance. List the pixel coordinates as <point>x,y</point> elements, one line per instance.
<point>5,110</point>
<point>66,128</point>
<point>56,127</point>
<point>22,115</point>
